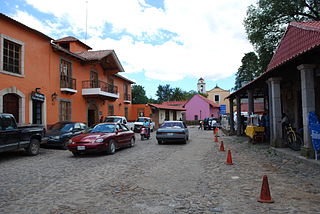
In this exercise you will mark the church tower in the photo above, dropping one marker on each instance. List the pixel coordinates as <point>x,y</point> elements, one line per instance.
<point>201,86</point>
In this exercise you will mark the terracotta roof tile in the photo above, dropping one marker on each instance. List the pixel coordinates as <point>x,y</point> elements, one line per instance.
<point>214,105</point>
<point>94,55</point>
<point>71,39</point>
<point>175,103</point>
<point>162,106</point>
<point>299,38</point>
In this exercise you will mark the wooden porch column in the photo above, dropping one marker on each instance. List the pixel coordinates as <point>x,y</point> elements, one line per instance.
<point>231,117</point>
<point>308,105</point>
<point>250,102</point>
<point>238,100</point>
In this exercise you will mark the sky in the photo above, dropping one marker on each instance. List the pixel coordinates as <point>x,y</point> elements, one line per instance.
<point>158,42</point>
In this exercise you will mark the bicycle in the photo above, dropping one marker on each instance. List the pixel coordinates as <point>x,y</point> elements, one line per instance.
<point>292,138</point>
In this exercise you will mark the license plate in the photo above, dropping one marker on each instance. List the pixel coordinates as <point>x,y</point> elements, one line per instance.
<point>170,134</point>
<point>81,148</point>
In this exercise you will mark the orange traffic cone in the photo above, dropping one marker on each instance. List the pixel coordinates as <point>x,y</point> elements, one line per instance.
<point>265,196</point>
<point>216,139</point>
<point>221,146</point>
<point>229,158</point>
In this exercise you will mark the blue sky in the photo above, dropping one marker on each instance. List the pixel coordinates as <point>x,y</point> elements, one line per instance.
<point>157,41</point>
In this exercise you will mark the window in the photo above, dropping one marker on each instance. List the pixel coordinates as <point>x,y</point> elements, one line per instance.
<point>167,117</point>
<point>12,55</point>
<point>65,110</point>
<point>195,117</point>
<point>217,98</point>
<point>110,110</point>
<point>65,68</point>
<point>124,127</point>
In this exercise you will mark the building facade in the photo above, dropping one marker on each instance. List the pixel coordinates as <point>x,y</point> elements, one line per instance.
<point>199,107</point>
<point>44,81</point>
<point>218,95</point>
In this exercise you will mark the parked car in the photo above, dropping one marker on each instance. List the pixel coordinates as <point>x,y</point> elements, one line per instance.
<point>60,133</point>
<point>210,123</point>
<point>172,131</point>
<point>139,122</point>
<point>14,137</point>
<point>104,137</point>
<point>119,119</point>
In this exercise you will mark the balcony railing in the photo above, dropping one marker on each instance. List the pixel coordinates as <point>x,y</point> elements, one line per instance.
<point>67,82</point>
<point>100,84</point>
<point>96,87</point>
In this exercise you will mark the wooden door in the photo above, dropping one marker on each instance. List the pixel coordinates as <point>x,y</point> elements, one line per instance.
<point>11,105</point>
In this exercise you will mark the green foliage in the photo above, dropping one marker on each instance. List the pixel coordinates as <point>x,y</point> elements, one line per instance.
<point>166,93</point>
<point>138,95</point>
<point>266,22</point>
<point>203,94</point>
<point>248,70</point>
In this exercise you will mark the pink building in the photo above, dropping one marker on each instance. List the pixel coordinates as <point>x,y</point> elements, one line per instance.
<point>199,107</point>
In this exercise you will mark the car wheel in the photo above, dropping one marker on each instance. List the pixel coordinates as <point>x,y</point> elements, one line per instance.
<point>160,142</point>
<point>132,142</point>
<point>111,147</point>
<point>76,154</point>
<point>33,148</point>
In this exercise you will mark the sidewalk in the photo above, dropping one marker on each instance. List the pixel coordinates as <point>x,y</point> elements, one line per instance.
<point>285,153</point>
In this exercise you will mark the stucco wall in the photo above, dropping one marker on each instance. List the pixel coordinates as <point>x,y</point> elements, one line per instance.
<point>197,106</point>
<point>223,94</point>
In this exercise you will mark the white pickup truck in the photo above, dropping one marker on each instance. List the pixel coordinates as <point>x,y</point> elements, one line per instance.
<point>119,119</point>
<point>139,122</point>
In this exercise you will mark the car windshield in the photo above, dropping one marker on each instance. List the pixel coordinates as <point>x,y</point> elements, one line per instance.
<point>172,125</point>
<point>141,119</point>
<point>112,119</point>
<point>105,128</point>
<point>64,127</point>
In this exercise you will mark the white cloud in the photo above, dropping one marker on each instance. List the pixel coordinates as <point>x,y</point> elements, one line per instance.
<point>211,32</point>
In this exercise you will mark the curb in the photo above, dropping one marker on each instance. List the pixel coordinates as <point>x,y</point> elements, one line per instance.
<point>293,155</point>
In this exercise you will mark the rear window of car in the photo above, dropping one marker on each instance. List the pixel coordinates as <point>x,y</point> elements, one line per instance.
<point>172,125</point>
<point>112,119</point>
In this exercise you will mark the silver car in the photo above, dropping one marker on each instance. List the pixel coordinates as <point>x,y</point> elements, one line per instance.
<point>172,131</point>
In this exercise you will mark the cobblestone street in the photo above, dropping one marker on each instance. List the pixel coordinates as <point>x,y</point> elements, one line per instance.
<point>152,178</point>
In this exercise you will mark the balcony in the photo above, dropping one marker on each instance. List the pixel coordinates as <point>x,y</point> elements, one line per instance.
<point>100,89</point>
<point>68,84</point>
<point>127,98</point>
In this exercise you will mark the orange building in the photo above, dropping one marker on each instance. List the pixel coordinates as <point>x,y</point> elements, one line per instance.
<point>44,80</point>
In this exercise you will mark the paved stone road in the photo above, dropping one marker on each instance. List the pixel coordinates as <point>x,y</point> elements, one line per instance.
<point>152,178</point>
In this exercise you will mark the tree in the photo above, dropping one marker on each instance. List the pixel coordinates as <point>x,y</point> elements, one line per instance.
<point>164,93</point>
<point>138,95</point>
<point>177,94</point>
<point>248,70</point>
<point>266,22</point>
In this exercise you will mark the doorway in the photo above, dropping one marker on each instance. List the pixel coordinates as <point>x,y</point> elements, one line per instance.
<point>93,116</point>
<point>11,105</point>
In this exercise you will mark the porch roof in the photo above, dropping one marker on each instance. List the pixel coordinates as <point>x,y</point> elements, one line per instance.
<point>299,39</point>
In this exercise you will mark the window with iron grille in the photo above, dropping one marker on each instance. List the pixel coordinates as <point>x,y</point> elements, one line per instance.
<point>64,110</point>
<point>110,110</point>
<point>11,56</point>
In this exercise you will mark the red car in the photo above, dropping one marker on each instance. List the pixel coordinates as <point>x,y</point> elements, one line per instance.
<point>104,137</point>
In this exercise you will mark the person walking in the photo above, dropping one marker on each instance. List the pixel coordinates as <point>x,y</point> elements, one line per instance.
<point>201,125</point>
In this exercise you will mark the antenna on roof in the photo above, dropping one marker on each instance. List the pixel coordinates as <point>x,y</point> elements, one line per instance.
<point>85,37</point>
